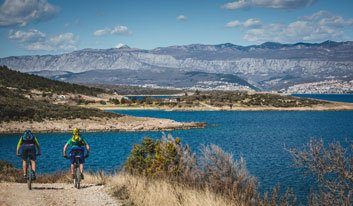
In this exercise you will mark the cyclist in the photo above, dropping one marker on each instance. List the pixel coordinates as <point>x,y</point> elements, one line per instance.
<point>77,146</point>
<point>27,145</point>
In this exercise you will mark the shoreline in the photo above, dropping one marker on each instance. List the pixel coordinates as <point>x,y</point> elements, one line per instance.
<point>121,124</point>
<point>333,106</point>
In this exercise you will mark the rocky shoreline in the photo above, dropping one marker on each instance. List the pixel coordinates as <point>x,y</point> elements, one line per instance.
<point>332,106</point>
<point>125,123</point>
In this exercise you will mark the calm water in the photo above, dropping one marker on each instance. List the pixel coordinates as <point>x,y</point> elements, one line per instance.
<point>140,97</point>
<point>329,97</point>
<point>260,137</point>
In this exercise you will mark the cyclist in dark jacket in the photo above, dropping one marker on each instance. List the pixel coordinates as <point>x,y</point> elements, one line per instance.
<point>26,148</point>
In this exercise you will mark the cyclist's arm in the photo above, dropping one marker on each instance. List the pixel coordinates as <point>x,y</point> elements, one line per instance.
<point>86,145</point>
<point>37,145</point>
<point>19,144</point>
<point>65,148</point>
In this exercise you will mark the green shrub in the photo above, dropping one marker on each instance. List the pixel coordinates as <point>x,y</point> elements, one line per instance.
<point>215,170</point>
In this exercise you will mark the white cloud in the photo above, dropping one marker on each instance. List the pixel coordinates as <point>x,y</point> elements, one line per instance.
<point>101,32</point>
<point>274,4</point>
<point>320,26</point>
<point>31,35</point>
<point>252,23</point>
<point>249,23</point>
<point>118,30</point>
<point>35,40</point>
<point>182,18</point>
<point>234,23</point>
<point>22,12</point>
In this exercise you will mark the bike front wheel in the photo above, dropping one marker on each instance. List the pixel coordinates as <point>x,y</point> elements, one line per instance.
<point>29,178</point>
<point>78,178</point>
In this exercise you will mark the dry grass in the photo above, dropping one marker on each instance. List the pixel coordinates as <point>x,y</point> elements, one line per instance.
<point>136,190</point>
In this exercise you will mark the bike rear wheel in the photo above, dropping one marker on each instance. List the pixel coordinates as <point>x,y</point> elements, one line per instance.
<point>29,176</point>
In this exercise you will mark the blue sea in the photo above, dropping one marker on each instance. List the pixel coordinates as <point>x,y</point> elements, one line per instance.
<point>329,97</point>
<point>260,137</point>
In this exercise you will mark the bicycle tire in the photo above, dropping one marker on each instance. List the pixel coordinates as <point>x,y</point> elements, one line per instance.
<point>75,177</point>
<point>29,176</point>
<point>78,176</point>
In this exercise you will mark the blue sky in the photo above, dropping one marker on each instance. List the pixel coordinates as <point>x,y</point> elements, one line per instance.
<point>56,26</point>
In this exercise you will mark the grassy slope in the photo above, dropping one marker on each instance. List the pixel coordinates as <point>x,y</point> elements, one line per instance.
<point>10,78</point>
<point>14,106</point>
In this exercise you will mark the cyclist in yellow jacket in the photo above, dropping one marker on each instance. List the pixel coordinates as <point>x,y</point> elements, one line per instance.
<point>77,146</point>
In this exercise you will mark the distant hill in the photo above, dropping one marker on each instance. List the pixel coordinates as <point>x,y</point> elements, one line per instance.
<point>10,78</point>
<point>16,102</point>
<point>268,66</point>
<point>166,77</point>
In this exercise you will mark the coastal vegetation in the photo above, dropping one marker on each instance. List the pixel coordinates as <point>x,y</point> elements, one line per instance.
<point>15,107</point>
<point>58,107</point>
<point>15,79</point>
<point>18,104</point>
<point>137,90</point>
<point>222,100</point>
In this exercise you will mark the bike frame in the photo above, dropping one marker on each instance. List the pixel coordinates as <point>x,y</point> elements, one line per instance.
<point>77,172</point>
<point>29,171</point>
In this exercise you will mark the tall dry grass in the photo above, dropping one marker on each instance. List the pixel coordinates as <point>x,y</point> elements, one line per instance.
<point>215,171</point>
<point>135,190</point>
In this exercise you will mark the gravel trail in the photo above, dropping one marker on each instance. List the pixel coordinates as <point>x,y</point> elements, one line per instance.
<point>54,194</point>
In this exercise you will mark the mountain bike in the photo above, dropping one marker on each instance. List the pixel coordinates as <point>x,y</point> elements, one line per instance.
<point>29,172</point>
<point>77,172</point>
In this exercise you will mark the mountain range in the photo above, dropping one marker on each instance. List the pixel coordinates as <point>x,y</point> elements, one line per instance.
<point>268,66</point>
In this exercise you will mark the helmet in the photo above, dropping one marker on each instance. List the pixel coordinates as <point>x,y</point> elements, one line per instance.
<point>76,135</point>
<point>75,131</point>
<point>27,134</point>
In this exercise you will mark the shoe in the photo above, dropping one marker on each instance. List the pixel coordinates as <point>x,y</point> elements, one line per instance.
<point>34,177</point>
<point>25,176</point>
<point>82,177</point>
<point>73,176</point>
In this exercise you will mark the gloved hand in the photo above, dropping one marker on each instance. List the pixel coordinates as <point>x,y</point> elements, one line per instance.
<point>87,154</point>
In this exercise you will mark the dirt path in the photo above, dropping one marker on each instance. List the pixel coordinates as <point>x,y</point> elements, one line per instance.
<point>54,194</point>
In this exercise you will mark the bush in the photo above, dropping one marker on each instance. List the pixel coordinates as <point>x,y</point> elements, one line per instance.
<point>215,170</point>
<point>114,101</point>
<point>333,168</point>
<point>9,173</point>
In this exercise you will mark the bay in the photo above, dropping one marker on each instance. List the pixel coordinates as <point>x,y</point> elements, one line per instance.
<point>260,137</point>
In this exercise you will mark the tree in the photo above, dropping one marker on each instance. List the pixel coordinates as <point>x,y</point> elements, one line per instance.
<point>333,168</point>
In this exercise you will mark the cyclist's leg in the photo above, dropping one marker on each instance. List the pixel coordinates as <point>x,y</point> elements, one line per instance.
<point>33,163</point>
<point>81,167</point>
<point>32,157</point>
<point>24,166</point>
<point>24,156</point>
<point>82,161</point>
<point>72,169</point>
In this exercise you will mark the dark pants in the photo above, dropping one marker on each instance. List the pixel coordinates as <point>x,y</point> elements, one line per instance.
<point>28,151</point>
<point>77,152</point>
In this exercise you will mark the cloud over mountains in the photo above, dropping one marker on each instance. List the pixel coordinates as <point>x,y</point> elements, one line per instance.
<point>117,30</point>
<point>273,4</point>
<point>22,12</point>
<point>35,40</point>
